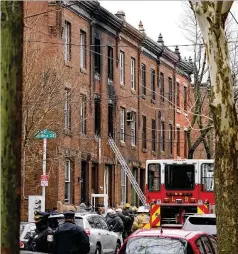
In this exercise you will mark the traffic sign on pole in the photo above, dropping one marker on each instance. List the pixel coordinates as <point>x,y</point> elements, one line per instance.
<point>45,134</point>
<point>44,179</point>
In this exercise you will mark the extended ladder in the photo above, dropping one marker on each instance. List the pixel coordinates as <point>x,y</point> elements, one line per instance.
<point>127,171</point>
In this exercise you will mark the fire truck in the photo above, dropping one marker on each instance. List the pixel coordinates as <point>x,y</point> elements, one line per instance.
<point>176,189</point>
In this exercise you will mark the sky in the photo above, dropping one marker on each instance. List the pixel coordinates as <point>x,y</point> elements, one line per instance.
<point>157,17</point>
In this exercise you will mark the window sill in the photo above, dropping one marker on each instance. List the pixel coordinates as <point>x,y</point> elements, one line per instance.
<point>133,147</point>
<point>84,71</point>
<point>122,86</point>
<point>133,91</point>
<point>162,152</point>
<point>144,150</point>
<point>178,111</point>
<point>143,96</point>
<point>122,143</point>
<point>67,132</point>
<point>153,101</point>
<point>68,63</point>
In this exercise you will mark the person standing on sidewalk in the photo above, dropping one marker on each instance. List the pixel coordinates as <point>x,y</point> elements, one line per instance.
<point>70,238</point>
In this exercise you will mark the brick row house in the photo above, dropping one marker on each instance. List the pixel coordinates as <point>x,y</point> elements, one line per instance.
<point>88,75</point>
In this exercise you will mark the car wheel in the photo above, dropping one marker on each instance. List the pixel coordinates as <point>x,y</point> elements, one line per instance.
<point>117,248</point>
<point>98,250</point>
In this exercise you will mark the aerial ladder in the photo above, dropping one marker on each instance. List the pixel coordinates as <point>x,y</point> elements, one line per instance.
<point>127,171</point>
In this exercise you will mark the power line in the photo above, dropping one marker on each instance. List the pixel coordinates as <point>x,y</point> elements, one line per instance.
<point>234,17</point>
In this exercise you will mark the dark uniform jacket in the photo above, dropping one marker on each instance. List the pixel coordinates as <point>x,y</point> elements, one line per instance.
<point>38,241</point>
<point>114,222</point>
<point>71,239</point>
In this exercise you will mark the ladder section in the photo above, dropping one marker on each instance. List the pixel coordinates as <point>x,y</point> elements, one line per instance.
<point>127,171</point>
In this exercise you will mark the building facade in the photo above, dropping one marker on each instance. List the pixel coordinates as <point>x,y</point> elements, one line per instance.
<point>90,75</point>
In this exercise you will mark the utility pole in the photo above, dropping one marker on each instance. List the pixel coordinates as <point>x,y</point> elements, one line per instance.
<point>11,122</point>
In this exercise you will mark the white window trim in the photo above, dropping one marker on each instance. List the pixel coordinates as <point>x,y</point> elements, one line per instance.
<point>68,182</point>
<point>67,41</point>
<point>133,73</point>
<point>122,124</point>
<point>82,49</point>
<point>122,56</point>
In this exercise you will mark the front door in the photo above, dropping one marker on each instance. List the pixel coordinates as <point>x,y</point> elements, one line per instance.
<point>108,183</point>
<point>83,181</point>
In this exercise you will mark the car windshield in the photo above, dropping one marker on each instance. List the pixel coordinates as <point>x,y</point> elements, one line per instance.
<point>155,245</point>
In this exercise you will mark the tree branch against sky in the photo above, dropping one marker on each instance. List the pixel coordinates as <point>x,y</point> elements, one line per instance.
<point>211,17</point>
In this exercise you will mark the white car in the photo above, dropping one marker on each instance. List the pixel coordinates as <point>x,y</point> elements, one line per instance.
<point>102,240</point>
<point>201,222</point>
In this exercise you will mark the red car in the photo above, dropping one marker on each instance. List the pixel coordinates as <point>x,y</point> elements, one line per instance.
<point>167,241</point>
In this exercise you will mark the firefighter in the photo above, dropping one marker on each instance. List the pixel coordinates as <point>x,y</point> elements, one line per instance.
<point>38,240</point>
<point>141,219</point>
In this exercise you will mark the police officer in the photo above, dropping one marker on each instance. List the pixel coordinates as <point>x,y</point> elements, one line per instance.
<point>70,238</point>
<point>38,240</point>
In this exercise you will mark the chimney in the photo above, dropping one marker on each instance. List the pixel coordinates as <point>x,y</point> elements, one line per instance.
<point>141,27</point>
<point>121,15</point>
<point>160,40</point>
<point>177,51</point>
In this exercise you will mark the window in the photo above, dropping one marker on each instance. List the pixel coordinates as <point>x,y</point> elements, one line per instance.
<point>163,135</point>
<point>213,243</point>
<point>143,79</point>
<point>170,90</point>
<point>207,176</point>
<point>185,145</point>
<point>67,110</point>
<point>122,124</point>
<point>83,115</point>
<point>133,130</point>
<point>123,186</point>
<point>207,245</point>
<point>122,64</point>
<point>67,171</point>
<point>178,96</point>
<point>133,76</point>
<point>200,246</point>
<point>171,139</point>
<point>153,84</point>
<point>185,98</point>
<point>110,120</point>
<point>97,116</point>
<point>144,132</point>
<point>97,56</point>
<point>110,63</point>
<point>178,141</point>
<point>179,177</point>
<point>154,177</point>
<point>160,132</point>
<point>153,135</point>
<point>82,49</point>
<point>67,41</point>
<point>162,86</point>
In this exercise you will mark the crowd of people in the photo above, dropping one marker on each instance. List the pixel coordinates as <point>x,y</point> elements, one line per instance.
<point>50,237</point>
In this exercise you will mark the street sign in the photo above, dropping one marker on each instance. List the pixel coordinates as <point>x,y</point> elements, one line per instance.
<point>46,134</point>
<point>44,180</point>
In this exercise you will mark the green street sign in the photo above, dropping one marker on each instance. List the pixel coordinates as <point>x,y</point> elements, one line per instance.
<point>46,134</point>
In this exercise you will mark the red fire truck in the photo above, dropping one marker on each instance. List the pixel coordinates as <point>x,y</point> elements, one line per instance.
<point>176,189</point>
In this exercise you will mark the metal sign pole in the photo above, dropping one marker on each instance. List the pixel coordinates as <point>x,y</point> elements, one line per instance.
<point>44,168</point>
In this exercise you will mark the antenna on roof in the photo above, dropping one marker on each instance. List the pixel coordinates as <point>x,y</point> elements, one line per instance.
<point>161,230</point>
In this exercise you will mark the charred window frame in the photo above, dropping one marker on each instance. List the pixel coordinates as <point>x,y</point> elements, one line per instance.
<point>110,63</point>
<point>97,116</point>
<point>110,120</point>
<point>144,146</point>
<point>97,55</point>
<point>143,79</point>
<point>153,135</point>
<point>162,86</point>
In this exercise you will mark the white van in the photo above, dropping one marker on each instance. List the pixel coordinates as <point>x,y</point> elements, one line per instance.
<point>201,222</point>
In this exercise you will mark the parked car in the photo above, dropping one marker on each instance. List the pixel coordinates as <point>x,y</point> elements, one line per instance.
<point>201,222</point>
<point>102,240</point>
<point>26,229</point>
<point>156,241</point>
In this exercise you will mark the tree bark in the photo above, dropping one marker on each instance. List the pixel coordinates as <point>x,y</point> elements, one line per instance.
<point>211,17</point>
<point>11,102</point>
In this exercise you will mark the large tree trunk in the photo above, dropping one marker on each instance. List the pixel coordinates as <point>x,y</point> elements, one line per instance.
<point>11,98</point>
<point>211,17</point>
